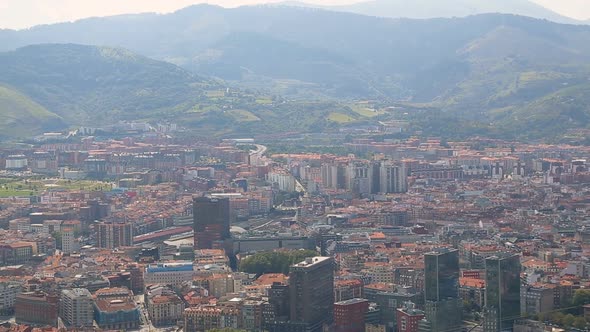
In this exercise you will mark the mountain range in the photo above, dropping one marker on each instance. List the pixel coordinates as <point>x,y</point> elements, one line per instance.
<point>56,86</point>
<point>504,71</point>
<point>426,9</point>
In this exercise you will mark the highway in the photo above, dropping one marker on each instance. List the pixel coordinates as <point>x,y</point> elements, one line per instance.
<point>260,150</point>
<point>257,156</point>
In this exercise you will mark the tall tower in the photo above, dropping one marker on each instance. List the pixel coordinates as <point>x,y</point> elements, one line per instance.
<point>210,222</point>
<point>441,268</point>
<point>68,241</point>
<point>311,288</point>
<point>113,235</point>
<point>502,292</point>
<point>443,307</point>
<point>77,307</point>
<point>393,178</point>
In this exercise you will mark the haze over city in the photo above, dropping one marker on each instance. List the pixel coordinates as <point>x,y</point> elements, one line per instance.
<point>382,166</point>
<point>20,14</point>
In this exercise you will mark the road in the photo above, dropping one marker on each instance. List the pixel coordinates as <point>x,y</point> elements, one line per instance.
<point>260,149</point>
<point>146,324</point>
<point>257,156</point>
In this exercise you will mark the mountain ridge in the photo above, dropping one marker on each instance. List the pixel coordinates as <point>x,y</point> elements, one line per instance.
<point>483,67</point>
<point>427,9</point>
<point>83,84</point>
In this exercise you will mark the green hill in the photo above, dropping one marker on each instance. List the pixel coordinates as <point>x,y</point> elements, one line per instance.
<point>22,117</point>
<point>337,54</point>
<point>550,115</point>
<point>99,85</point>
<point>480,70</point>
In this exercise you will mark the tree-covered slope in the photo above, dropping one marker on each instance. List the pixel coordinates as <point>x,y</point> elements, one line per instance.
<point>22,117</point>
<point>479,68</point>
<point>97,85</point>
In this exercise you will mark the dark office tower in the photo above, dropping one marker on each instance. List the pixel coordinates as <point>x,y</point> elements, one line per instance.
<point>311,286</point>
<point>278,297</point>
<point>441,269</point>
<point>275,314</point>
<point>210,222</point>
<point>375,175</point>
<point>443,307</point>
<point>502,292</point>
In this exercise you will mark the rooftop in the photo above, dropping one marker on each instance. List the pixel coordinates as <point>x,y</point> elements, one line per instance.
<point>312,261</point>
<point>351,302</point>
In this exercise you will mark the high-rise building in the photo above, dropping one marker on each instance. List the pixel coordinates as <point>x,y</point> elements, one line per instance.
<point>311,286</point>
<point>113,235</point>
<point>68,241</point>
<point>502,292</point>
<point>211,222</point>
<point>358,179</point>
<point>443,307</point>
<point>278,298</point>
<point>349,315</point>
<point>8,292</point>
<point>408,318</point>
<point>393,178</point>
<point>77,307</point>
<point>441,274</point>
<point>136,277</point>
<point>334,176</point>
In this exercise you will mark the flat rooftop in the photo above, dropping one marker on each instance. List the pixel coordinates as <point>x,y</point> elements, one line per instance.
<point>351,301</point>
<point>312,261</point>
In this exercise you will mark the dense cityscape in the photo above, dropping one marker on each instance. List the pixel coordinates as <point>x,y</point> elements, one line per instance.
<point>157,232</point>
<point>295,166</point>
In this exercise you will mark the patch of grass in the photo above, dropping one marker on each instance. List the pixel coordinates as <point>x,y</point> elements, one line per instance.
<point>364,111</point>
<point>10,187</point>
<point>264,101</point>
<point>215,93</point>
<point>243,115</point>
<point>21,115</point>
<point>340,117</point>
<point>202,109</point>
<point>15,193</point>
<point>535,76</point>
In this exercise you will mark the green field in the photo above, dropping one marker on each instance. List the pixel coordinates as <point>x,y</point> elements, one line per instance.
<point>215,93</point>
<point>340,117</point>
<point>10,187</point>
<point>264,101</point>
<point>243,116</point>
<point>15,193</point>
<point>201,109</point>
<point>21,115</point>
<point>367,112</point>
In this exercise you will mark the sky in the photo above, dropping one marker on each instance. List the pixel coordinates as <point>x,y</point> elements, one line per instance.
<point>19,14</point>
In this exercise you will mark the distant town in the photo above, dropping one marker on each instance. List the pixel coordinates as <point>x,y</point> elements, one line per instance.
<point>142,227</point>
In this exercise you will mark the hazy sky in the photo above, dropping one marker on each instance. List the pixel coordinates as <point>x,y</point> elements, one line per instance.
<point>18,14</point>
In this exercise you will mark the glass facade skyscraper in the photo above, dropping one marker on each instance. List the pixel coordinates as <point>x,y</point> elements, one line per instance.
<point>502,292</point>
<point>441,274</point>
<point>311,285</point>
<point>210,222</point>
<point>443,307</point>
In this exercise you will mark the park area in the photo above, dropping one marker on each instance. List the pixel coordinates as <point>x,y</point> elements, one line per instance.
<point>13,187</point>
